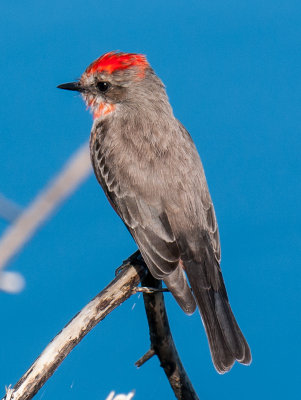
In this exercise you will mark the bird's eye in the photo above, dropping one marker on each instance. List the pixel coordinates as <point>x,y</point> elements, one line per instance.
<point>103,86</point>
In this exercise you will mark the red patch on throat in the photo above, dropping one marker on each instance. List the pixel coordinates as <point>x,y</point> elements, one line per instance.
<point>111,62</point>
<point>103,109</point>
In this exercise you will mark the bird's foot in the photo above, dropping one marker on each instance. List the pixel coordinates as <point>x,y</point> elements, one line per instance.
<point>149,290</point>
<point>133,259</point>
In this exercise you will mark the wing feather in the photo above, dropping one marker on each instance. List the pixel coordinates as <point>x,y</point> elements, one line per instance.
<point>148,224</point>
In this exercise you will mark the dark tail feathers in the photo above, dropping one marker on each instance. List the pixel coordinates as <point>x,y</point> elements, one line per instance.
<point>226,340</point>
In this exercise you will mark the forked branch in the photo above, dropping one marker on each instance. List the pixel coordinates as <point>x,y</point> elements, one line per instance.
<point>120,289</point>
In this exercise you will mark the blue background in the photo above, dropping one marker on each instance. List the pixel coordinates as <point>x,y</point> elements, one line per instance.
<point>232,71</point>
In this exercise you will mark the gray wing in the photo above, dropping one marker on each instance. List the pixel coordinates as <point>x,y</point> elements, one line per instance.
<point>197,236</point>
<point>149,226</point>
<point>194,201</point>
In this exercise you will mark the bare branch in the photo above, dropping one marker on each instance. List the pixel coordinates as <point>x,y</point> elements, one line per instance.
<point>162,342</point>
<point>73,173</point>
<point>132,272</point>
<point>120,289</point>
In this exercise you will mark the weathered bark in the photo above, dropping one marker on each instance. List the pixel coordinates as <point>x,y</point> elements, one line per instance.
<point>119,290</point>
<point>132,272</point>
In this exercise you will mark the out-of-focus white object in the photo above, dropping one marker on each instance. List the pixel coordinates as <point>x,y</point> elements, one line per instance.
<point>11,282</point>
<point>120,396</point>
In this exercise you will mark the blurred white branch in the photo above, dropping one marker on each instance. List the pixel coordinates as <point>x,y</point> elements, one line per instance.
<point>74,172</point>
<point>9,210</point>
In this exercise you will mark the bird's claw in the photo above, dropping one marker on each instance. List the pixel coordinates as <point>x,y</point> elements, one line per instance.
<point>133,259</point>
<point>149,290</point>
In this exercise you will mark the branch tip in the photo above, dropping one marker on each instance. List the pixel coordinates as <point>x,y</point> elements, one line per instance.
<point>147,356</point>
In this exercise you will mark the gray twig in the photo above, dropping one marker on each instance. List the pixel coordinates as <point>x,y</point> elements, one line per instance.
<point>147,356</point>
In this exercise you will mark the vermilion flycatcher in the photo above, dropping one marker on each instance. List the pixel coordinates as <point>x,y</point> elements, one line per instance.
<point>150,170</point>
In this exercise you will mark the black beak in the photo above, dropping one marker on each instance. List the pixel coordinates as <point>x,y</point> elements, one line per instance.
<point>71,86</point>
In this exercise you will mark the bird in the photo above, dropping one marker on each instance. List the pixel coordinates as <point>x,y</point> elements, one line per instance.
<point>150,170</point>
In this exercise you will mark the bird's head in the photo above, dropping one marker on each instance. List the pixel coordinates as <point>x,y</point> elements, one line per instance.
<point>115,79</point>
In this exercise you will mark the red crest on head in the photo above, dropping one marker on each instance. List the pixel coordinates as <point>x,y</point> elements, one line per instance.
<point>113,61</point>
